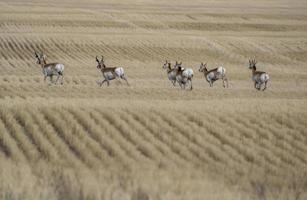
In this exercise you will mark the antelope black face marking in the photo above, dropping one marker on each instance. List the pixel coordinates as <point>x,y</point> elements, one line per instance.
<point>214,74</point>
<point>259,78</point>
<point>110,73</point>
<point>50,69</point>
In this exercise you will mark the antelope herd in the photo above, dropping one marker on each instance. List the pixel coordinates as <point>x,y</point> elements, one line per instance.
<point>175,73</point>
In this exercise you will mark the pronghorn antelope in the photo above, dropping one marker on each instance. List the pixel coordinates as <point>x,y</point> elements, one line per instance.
<point>171,72</point>
<point>214,74</point>
<point>110,73</point>
<point>50,69</point>
<point>258,77</point>
<point>184,76</point>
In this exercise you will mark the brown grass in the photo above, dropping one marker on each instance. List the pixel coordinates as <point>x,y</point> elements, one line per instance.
<point>152,140</point>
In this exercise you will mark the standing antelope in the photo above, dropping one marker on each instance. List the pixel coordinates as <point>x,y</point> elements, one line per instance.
<point>184,76</point>
<point>50,69</point>
<point>171,72</point>
<point>110,73</point>
<point>258,77</point>
<point>214,74</point>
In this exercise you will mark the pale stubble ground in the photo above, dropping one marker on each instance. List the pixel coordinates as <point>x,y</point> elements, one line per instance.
<point>150,139</point>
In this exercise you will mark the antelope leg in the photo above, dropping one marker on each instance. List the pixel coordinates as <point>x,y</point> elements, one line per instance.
<point>180,84</point>
<point>123,77</point>
<point>223,79</point>
<point>226,79</point>
<point>264,86</point>
<point>58,76</point>
<point>174,82</point>
<point>102,82</point>
<point>62,77</point>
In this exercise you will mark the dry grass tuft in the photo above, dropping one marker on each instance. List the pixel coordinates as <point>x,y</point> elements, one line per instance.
<point>152,140</point>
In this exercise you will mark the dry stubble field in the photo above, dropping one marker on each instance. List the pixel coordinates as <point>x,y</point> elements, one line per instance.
<point>152,140</point>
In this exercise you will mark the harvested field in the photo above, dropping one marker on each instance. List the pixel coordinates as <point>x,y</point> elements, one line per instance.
<point>151,140</point>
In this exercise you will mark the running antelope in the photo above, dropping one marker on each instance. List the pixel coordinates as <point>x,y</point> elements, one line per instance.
<point>214,74</point>
<point>171,72</point>
<point>50,69</point>
<point>258,77</point>
<point>110,73</point>
<point>184,76</point>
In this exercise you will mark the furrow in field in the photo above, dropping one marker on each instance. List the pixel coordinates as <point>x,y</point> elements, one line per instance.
<point>16,131</point>
<point>100,151</point>
<point>116,136</point>
<point>185,133</point>
<point>188,150</point>
<point>18,48</point>
<point>224,133</point>
<point>159,150</point>
<point>6,49</point>
<point>297,127</point>
<point>287,142</point>
<point>164,143</point>
<point>125,134</point>
<point>10,145</point>
<point>139,138</point>
<point>93,148</point>
<point>67,156</point>
<point>261,143</point>
<point>247,149</point>
<point>200,134</point>
<point>70,138</point>
<point>32,130</point>
<point>100,134</point>
<point>267,138</point>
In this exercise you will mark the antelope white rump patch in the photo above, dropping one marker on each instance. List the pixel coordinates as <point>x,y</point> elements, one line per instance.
<point>264,77</point>
<point>119,71</point>
<point>188,72</point>
<point>221,70</point>
<point>59,67</point>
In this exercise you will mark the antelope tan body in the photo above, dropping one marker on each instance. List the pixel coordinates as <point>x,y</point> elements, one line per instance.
<point>259,78</point>
<point>184,76</point>
<point>110,73</point>
<point>171,72</point>
<point>50,69</point>
<point>214,74</point>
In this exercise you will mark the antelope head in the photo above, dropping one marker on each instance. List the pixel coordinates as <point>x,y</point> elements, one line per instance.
<point>177,65</point>
<point>252,64</point>
<point>40,58</point>
<point>100,63</point>
<point>203,67</point>
<point>166,65</point>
